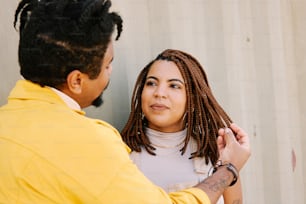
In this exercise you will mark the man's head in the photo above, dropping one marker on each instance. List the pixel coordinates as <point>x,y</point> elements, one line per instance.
<point>63,37</point>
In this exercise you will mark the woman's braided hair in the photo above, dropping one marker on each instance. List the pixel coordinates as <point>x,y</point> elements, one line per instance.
<point>204,114</point>
<point>59,36</point>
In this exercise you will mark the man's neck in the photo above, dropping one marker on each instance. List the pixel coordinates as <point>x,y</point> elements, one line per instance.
<point>67,99</point>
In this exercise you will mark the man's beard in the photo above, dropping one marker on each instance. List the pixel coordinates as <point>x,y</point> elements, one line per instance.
<point>99,101</point>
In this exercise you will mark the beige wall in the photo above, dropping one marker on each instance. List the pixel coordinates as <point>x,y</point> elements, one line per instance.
<point>8,49</point>
<point>299,30</point>
<point>254,55</point>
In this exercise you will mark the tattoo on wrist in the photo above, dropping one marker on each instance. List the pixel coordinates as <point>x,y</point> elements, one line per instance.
<point>230,167</point>
<point>218,185</point>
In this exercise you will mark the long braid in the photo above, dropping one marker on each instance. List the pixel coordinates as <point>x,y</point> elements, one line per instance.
<point>204,114</point>
<point>133,132</point>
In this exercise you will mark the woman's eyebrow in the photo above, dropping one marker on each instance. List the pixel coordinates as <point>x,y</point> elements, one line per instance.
<point>169,80</point>
<point>177,80</point>
<point>152,77</point>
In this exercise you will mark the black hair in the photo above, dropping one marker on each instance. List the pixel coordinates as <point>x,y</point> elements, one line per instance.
<point>59,36</point>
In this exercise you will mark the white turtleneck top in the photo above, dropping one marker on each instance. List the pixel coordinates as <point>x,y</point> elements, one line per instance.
<point>170,169</point>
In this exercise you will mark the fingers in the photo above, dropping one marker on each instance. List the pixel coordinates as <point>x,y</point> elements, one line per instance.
<point>241,135</point>
<point>237,130</point>
<point>220,139</point>
<point>225,138</point>
<point>233,145</point>
<point>229,136</point>
<point>242,138</point>
<point>220,143</point>
<point>221,131</point>
<point>244,141</point>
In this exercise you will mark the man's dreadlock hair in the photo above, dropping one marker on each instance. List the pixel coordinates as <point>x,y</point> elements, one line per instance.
<point>204,114</point>
<point>59,36</point>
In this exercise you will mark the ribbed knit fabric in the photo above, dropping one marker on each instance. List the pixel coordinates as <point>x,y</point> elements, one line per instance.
<point>170,169</point>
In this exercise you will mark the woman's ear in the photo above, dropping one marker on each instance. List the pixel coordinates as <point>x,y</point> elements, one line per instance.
<point>75,81</point>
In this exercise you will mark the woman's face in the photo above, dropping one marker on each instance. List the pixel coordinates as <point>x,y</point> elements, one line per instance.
<point>164,97</point>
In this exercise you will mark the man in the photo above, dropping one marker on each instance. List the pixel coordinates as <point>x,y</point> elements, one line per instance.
<point>49,151</point>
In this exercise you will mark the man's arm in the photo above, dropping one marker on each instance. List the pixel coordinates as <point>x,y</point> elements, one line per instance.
<point>215,185</point>
<point>233,194</point>
<point>234,150</point>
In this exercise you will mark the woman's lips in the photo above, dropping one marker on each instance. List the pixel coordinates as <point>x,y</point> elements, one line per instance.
<point>158,107</point>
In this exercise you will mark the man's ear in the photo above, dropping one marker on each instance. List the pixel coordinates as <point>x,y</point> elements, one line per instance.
<point>75,81</point>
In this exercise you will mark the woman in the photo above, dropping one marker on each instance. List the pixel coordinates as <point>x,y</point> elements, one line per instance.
<point>174,123</point>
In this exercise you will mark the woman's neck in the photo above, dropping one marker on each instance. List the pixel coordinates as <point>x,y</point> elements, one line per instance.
<point>165,139</point>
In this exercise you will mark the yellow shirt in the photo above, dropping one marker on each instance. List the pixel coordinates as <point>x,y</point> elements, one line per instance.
<point>50,153</point>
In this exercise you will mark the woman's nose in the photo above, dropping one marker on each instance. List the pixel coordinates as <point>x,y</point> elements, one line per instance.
<point>160,91</point>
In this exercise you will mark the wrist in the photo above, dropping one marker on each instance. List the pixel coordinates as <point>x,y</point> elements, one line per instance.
<point>229,167</point>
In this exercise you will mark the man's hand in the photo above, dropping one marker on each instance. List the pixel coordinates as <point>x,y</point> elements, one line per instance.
<point>235,150</point>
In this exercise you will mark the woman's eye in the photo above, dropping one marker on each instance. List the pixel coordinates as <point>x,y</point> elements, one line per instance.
<point>150,83</point>
<point>175,86</point>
